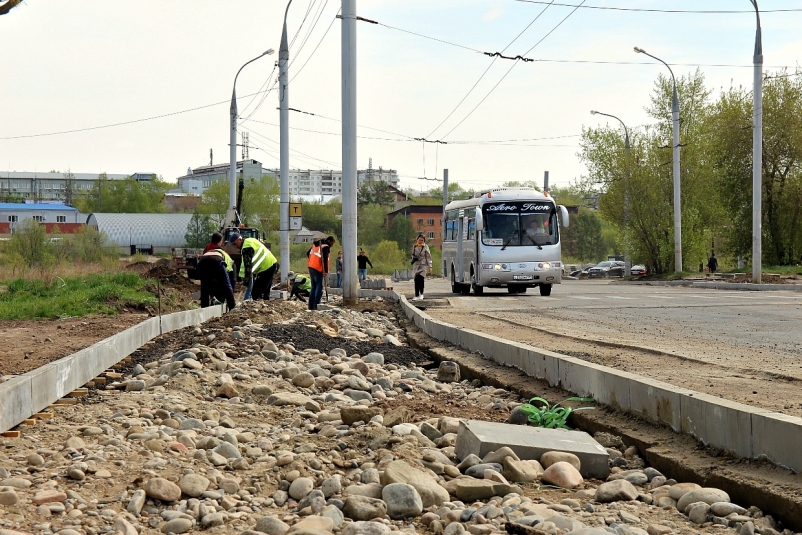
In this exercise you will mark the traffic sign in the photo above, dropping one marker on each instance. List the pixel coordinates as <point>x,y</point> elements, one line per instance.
<point>296,223</point>
<point>296,209</point>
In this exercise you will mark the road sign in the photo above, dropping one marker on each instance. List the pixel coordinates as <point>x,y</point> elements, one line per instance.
<point>296,209</point>
<point>296,223</point>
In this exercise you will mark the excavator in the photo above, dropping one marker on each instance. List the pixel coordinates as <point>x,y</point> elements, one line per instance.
<point>233,224</point>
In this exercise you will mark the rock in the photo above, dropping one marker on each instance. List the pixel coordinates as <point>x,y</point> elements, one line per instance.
<point>303,380</point>
<point>364,508</point>
<point>618,490</point>
<point>402,500</point>
<point>725,508</point>
<point>448,372</point>
<point>177,525</point>
<point>261,390</point>
<point>271,526</point>
<point>193,485</point>
<point>161,489</point>
<point>551,457</point>
<point>518,417</point>
<point>227,450</point>
<point>135,386</point>
<point>34,459</point>
<point>366,528</point>
<point>335,514</point>
<point>499,455</point>
<point>478,470</point>
<point>73,472</point>
<point>371,490</point>
<point>358,413</point>
<point>301,487</point>
<point>75,443</point>
<point>121,525</point>
<point>707,495</point>
<point>313,523</point>
<point>227,390</point>
<point>8,496</point>
<point>698,513</point>
<point>522,471</point>
<point>48,496</point>
<point>331,486</point>
<point>398,415</point>
<point>430,491</point>
<point>562,474</point>
<point>137,502</point>
<point>374,358</point>
<point>677,491</point>
<point>470,490</point>
<point>213,520</point>
<point>288,398</point>
<point>658,529</point>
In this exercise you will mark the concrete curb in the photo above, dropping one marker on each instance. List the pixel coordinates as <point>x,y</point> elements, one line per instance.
<point>32,392</point>
<point>742,430</point>
<point>743,286</point>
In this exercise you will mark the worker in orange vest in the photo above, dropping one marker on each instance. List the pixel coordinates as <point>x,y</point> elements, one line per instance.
<point>316,270</point>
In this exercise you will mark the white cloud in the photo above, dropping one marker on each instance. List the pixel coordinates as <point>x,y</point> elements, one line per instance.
<point>493,15</point>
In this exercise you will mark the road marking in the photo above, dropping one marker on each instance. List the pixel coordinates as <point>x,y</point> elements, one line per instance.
<point>659,297</point>
<point>620,297</point>
<point>583,297</point>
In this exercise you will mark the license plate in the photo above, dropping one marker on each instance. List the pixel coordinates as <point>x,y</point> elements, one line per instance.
<point>522,277</point>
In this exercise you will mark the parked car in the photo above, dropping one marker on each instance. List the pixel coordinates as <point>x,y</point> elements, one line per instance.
<point>607,269</point>
<point>580,273</point>
<point>637,270</point>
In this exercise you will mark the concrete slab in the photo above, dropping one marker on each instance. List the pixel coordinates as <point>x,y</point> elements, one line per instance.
<point>480,438</point>
<point>15,401</point>
<point>777,437</point>
<point>656,401</point>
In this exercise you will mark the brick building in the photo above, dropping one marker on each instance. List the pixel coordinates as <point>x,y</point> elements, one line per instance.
<point>425,218</point>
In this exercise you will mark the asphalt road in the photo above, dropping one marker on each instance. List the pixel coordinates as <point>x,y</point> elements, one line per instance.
<point>745,346</point>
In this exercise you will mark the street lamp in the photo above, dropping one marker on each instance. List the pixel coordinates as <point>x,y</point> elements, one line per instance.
<point>677,202</point>
<point>284,150</point>
<point>757,154</point>
<point>231,216</point>
<point>627,260</point>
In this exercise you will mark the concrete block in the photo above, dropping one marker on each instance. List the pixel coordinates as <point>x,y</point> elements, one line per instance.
<point>15,401</point>
<point>547,365</point>
<point>47,380</point>
<point>469,340</point>
<point>657,402</point>
<point>719,422</point>
<point>480,438</point>
<point>606,385</point>
<point>777,437</point>
<point>420,320</point>
<point>451,333</point>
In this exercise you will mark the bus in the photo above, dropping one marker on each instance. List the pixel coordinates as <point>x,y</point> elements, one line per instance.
<point>505,238</point>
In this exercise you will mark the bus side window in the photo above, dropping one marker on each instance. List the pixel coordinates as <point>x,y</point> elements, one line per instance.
<point>471,228</point>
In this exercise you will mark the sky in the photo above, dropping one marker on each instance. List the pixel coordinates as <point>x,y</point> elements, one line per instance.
<point>145,86</point>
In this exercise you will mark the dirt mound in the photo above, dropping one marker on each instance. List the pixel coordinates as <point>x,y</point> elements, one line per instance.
<point>140,268</point>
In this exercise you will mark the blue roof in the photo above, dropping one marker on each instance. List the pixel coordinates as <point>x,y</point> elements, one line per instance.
<point>41,207</point>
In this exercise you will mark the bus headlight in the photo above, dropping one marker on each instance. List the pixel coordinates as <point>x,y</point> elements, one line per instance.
<point>544,265</point>
<point>487,266</point>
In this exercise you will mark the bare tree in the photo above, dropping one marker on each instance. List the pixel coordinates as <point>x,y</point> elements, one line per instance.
<point>8,5</point>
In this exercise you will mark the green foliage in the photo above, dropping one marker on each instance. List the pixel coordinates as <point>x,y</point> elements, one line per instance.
<point>199,230</point>
<point>583,239</point>
<point>387,257</point>
<point>402,231</point>
<point>323,218</point>
<point>455,192</point>
<point>72,296</point>
<point>260,203</point>
<point>214,201</point>
<point>124,196</point>
<point>375,193</point>
<point>29,247</point>
<point>551,417</point>
<point>371,227</point>
<point>90,245</point>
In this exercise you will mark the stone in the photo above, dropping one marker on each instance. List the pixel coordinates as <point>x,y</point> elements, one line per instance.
<point>398,415</point>
<point>478,470</point>
<point>177,525</point>
<point>213,520</point>
<point>358,413</point>
<point>301,487</point>
<point>366,528</point>
<point>658,529</point>
<point>123,526</point>
<point>161,489</point>
<point>698,513</point>
<point>518,417</point>
<point>137,502</point>
<point>374,358</point>
<point>227,450</point>
<point>193,485</point>
<point>430,491</point>
<point>480,438</point>
<point>313,522</point>
<point>522,471</point>
<point>48,496</point>
<point>331,486</point>
<point>402,500</point>
<point>364,508</point>
<point>725,509</point>
<point>34,459</point>
<point>261,390</point>
<point>470,489</point>
<point>16,482</point>
<point>551,457</point>
<point>371,490</point>
<point>562,474</point>
<point>288,398</point>
<point>271,526</point>
<point>677,491</point>
<point>229,485</point>
<point>304,380</point>
<point>227,390</point>
<point>448,372</point>
<point>707,495</point>
<point>499,455</point>
<point>331,511</point>
<point>8,496</point>
<point>618,490</point>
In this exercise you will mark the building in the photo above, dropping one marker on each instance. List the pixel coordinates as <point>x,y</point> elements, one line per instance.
<point>426,219</point>
<point>371,175</point>
<point>66,218</point>
<point>159,232</point>
<point>306,236</point>
<point>198,180</point>
<point>63,187</point>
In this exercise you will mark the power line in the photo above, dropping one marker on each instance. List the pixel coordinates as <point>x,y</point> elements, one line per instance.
<point>646,10</point>
<point>316,47</point>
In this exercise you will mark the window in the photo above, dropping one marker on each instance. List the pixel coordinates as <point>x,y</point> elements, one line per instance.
<point>430,235</point>
<point>61,219</point>
<point>430,222</point>
<point>13,219</point>
<point>39,218</point>
<point>420,222</point>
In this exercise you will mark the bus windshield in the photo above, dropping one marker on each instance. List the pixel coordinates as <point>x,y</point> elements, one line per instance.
<point>520,224</point>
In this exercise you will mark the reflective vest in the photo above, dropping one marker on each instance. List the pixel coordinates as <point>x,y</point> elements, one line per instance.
<point>304,283</point>
<point>315,259</point>
<point>217,254</point>
<point>228,260</point>
<point>263,259</point>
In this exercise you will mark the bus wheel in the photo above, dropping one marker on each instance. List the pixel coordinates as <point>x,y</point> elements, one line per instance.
<point>522,290</point>
<point>477,290</point>
<point>545,290</point>
<point>466,289</point>
<point>512,290</point>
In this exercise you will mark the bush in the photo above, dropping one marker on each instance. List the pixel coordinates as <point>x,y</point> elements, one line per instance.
<point>29,247</point>
<point>387,257</point>
<point>90,245</point>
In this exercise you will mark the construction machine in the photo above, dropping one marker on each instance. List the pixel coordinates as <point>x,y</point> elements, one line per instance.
<point>233,224</point>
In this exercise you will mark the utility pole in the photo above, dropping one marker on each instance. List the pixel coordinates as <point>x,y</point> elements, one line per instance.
<point>284,150</point>
<point>445,202</point>
<point>757,155</point>
<point>546,181</point>
<point>349,238</point>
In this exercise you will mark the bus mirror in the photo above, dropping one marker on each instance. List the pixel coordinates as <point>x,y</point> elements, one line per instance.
<point>564,215</point>
<point>479,221</point>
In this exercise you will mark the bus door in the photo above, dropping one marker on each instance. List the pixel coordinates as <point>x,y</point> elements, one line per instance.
<point>460,239</point>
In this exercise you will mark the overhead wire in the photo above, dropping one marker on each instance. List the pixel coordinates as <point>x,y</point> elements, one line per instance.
<point>652,10</point>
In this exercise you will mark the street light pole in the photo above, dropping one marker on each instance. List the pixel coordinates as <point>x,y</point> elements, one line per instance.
<point>677,199</point>
<point>284,151</point>
<point>757,155</point>
<point>627,259</point>
<point>231,214</point>
<point>349,237</point>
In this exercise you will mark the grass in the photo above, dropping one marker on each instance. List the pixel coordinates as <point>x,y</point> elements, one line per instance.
<point>550,416</point>
<point>25,299</point>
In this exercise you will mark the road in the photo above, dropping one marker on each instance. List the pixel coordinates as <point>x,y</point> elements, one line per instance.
<point>743,346</point>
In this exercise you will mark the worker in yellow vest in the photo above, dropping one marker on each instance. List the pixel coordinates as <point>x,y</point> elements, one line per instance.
<point>257,268</point>
<point>216,244</point>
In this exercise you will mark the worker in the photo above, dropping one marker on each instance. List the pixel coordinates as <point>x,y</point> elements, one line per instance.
<point>215,283</point>
<point>301,286</point>
<point>362,262</point>
<point>315,265</point>
<point>257,267</point>
<point>216,242</point>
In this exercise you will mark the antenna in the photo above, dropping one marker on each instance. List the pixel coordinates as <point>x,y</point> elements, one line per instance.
<point>211,157</point>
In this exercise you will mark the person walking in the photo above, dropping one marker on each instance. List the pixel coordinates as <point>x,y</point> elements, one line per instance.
<point>712,263</point>
<point>421,265</point>
<point>257,268</point>
<point>340,269</point>
<point>301,286</point>
<point>315,265</point>
<point>215,283</point>
<point>362,262</point>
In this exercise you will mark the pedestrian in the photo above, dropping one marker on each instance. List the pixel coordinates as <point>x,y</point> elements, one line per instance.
<point>215,283</point>
<point>301,286</point>
<point>340,269</point>
<point>257,268</point>
<point>362,261</point>
<point>315,265</point>
<point>325,248</point>
<point>712,263</point>
<point>421,265</point>
<point>216,243</point>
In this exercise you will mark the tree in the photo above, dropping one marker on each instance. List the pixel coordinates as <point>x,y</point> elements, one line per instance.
<point>402,232</point>
<point>455,192</point>
<point>375,193</point>
<point>371,227</point>
<point>583,240</point>
<point>30,247</point>
<point>125,196</point>
<point>199,230</point>
<point>214,201</point>
<point>260,203</point>
<point>69,187</point>
<point>323,218</point>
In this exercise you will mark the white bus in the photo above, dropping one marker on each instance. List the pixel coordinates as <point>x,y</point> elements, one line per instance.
<point>507,238</point>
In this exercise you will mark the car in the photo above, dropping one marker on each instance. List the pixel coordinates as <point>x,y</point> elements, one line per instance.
<point>607,269</point>
<point>637,270</point>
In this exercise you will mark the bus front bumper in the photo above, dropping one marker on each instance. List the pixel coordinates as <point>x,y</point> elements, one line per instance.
<point>527,275</point>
